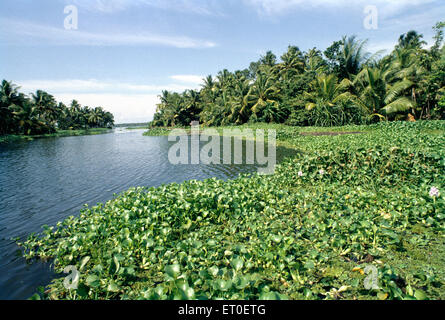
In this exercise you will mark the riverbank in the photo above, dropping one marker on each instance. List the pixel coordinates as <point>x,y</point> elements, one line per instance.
<point>309,231</point>
<point>58,134</point>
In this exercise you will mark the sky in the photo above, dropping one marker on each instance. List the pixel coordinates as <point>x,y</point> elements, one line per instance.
<point>125,52</point>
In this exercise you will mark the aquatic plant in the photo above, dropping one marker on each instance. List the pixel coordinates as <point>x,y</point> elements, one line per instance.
<point>272,237</point>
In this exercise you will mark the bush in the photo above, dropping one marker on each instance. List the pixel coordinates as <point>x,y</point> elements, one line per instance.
<point>327,116</point>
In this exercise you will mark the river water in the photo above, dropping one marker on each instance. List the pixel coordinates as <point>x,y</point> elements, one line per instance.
<point>45,181</point>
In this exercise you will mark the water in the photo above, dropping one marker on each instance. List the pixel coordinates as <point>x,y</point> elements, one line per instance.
<point>45,181</point>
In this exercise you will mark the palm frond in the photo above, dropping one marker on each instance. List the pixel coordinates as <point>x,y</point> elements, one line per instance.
<point>400,105</point>
<point>396,90</point>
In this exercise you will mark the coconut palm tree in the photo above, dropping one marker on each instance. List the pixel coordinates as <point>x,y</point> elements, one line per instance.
<point>240,111</point>
<point>411,40</point>
<point>354,55</point>
<point>292,63</point>
<point>406,66</point>
<point>46,105</point>
<point>314,62</point>
<point>326,91</point>
<point>268,60</point>
<point>95,117</point>
<point>379,96</point>
<point>9,97</point>
<point>224,80</point>
<point>263,92</point>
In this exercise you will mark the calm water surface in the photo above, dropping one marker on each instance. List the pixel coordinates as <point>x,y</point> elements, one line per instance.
<point>45,181</point>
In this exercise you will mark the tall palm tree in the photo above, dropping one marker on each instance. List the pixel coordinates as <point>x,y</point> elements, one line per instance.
<point>225,78</point>
<point>240,111</point>
<point>9,97</point>
<point>329,102</point>
<point>379,96</point>
<point>95,117</point>
<point>354,56</point>
<point>209,90</point>
<point>326,91</point>
<point>45,105</point>
<point>268,60</point>
<point>108,119</point>
<point>209,83</point>
<point>292,63</point>
<point>28,119</point>
<point>263,92</point>
<point>406,66</point>
<point>314,62</point>
<point>411,40</point>
<point>192,104</point>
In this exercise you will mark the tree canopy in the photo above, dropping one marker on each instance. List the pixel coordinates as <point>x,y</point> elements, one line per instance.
<point>41,113</point>
<point>343,85</point>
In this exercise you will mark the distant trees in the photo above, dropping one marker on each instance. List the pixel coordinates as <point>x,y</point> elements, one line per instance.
<point>40,113</point>
<point>345,84</point>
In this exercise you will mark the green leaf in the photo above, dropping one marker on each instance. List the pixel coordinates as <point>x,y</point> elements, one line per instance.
<point>173,270</point>
<point>186,292</point>
<point>83,262</point>
<point>213,271</point>
<point>113,287</point>
<point>420,295</point>
<point>272,296</point>
<point>237,264</point>
<point>93,281</point>
<point>223,285</point>
<point>277,238</point>
<point>82,290</point>
<point>35,296</point>
<point>115,265</point>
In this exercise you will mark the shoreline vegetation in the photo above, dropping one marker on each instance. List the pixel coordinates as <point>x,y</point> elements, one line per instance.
<point>345,204</point>
<point>39,115</point>
<point>57,134</point>
<point>309,231</point>
<point>343,85</point>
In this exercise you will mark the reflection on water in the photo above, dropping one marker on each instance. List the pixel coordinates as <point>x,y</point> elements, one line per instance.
<point>47,180</point>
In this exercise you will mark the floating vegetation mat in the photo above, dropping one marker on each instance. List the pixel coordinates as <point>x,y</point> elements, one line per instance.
<point>351,217</point>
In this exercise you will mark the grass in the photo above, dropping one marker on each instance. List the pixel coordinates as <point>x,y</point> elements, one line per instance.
<point>309,231</point>
<point>60,133</point>
<point>136,128</point>
<point>164,131</point>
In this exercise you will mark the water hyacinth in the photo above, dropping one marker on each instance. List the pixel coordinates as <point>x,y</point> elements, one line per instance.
<point>270,237</point>
<point>434,192</point>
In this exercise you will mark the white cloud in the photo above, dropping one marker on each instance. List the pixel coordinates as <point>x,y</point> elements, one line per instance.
<point>125,108</point>
<point>25,32</point>
<point>378,46</point>
<point>201,7</point>
<point>96,86</point>
<point>128,102</point>
<point>425,18</point>
<point>188,78</point>
<point>386,7</point>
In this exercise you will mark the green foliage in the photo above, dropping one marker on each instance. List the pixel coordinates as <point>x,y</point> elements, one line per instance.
<point>361,199</point>
<point>40,114</point>
<point>406,82</point>
<point>58,134</point>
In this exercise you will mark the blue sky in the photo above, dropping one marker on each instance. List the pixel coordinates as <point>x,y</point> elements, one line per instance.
<point>125,52</point>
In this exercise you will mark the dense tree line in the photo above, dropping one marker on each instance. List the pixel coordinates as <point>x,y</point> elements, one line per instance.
<point>342,85</point>
<point>40,113</point>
